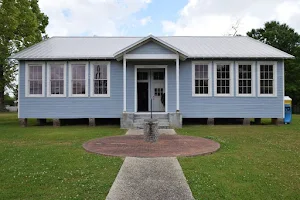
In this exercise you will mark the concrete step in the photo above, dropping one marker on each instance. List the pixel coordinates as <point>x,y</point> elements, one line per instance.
<point>148,116</point>
<point>141,121</point>
<point>162,124</point>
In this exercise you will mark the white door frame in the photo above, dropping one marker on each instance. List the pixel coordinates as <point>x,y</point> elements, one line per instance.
<point>166,83</point>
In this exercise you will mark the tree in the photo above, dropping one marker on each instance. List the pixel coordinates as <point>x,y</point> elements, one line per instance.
<point>283,37</point>
<point>22,24</point>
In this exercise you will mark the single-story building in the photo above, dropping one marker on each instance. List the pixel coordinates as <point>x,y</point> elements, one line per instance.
<point>174,77</point>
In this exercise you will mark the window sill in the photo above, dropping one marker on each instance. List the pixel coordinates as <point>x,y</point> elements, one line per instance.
<point>100,96</point>
<point>56,96</point>
<point>220,95</point>
<point>201,95</point>
<point>241,95</point>
<point>264,95</point>
<point>74,96</point>
<point>35,96</point>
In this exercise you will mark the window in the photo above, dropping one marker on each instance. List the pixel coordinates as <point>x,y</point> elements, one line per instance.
<point>100,79</point>
<point>34,82</point>
<point>158,91</point>
<point>78,79</point>
<point>267,81</point>
<point>142,76</point>
<point>224,79</point>
<point>56,79</point>
<point>158,75</point>
<point>245,76</point>
<point>201,79</point>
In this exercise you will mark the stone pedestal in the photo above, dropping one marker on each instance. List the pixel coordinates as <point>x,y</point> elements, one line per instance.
<point>127,120</point>
<point>277,121</point>
<point>23,122</point>
<point>211,121</point>
<point>246,121</point>
<point>175,120</point>
<point>56,122</point>
<point>151,130</point>
<point>92,122</point>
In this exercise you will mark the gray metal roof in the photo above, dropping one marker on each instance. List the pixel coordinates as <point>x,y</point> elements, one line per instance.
<point>59,48</point>
<point>147,39</point>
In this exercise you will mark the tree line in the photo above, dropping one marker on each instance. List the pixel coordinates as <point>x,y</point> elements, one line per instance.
<point>22,24</point>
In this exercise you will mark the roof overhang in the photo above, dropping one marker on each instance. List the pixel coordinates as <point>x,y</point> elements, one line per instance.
<point>120,54</point>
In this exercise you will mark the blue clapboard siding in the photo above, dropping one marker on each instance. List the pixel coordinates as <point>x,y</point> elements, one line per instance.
<point>74,107</point>
<point>190,107</point>
<point>151,48</point>
<point>228,107</point>
<point>171,83</point>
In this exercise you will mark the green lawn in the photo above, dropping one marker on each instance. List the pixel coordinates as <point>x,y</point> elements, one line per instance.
<point>50,163</point>
<point>256,162</point>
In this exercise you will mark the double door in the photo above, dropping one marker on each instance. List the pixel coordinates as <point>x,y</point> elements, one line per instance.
<point>151,90</point>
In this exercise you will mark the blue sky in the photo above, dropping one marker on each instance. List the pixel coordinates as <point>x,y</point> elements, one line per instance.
<point>158,10</point>
<point>165,17</point>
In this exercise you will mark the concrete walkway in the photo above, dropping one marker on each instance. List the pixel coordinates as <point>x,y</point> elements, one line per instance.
<point>150,178</point>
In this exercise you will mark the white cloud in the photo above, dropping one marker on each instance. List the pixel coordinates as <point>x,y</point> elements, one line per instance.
<point>90,17</point>
<point>215,17</point>
<point>146,21</point>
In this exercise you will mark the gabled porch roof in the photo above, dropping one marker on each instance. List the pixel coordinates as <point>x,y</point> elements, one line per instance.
<point>120,54</point>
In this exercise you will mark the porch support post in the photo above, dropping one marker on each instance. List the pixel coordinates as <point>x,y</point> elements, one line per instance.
<point>177,84</point>
<point>124,83</point>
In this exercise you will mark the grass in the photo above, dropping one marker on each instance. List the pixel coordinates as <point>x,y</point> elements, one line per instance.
<point>256,162</point>
<point>50,163</point>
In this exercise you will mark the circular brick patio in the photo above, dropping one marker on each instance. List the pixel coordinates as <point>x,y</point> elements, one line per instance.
<point>166,146</point>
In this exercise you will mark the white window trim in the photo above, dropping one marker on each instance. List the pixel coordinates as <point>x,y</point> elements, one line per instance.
<point>27,93</point>
<point>274,63</point>
<point>92,78</point>
<point>253,78</point>
<point>209,63</point>
<point>231,64</point>
<point>86,80</point>
<point>49,77</point>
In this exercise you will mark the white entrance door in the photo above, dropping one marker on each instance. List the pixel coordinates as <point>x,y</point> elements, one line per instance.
<point>157,89</point>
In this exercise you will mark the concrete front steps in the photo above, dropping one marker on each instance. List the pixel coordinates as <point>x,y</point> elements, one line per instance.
<point>163,120</point>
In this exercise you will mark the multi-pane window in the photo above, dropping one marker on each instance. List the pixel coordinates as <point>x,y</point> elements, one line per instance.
<point>142,76</point>
<point>100,79</point>
<point>244,79</point>
<point>201,79</point>
<point>223,79</point>
<point>57,82</point>
<point>78,79</point>
<point>158,75</point>
<point>158,91</point>
<point>35,79</point>
<point>266,79</point>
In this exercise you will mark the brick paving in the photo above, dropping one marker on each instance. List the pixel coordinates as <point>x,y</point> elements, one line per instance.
<point>166,146</point>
